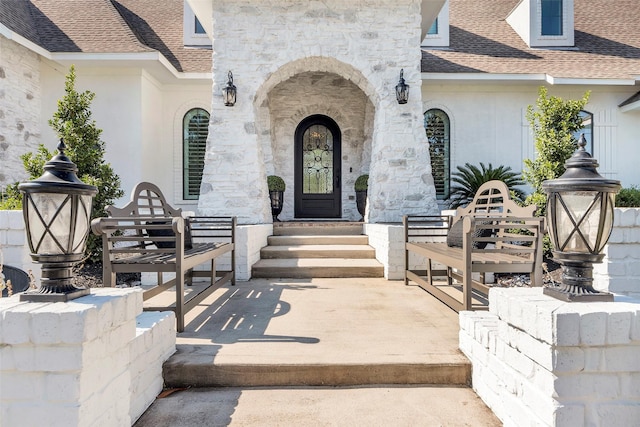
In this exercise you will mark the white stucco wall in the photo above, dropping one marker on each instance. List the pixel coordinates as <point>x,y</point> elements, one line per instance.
<point>141,119</point>
<point>488,124</point>
<point>20,104</point>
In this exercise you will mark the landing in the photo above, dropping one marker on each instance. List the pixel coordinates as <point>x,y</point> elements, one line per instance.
<point>352,327</point>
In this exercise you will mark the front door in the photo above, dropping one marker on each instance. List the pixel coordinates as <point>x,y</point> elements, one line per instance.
<point>317,168</point>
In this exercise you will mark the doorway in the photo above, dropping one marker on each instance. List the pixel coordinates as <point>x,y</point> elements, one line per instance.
<point>317,168</point>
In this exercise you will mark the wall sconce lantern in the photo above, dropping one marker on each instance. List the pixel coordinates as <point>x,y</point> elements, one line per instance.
<point>402,89</point>
<point>229,92</point>
<point>580,216</point>
<point>57,215</point>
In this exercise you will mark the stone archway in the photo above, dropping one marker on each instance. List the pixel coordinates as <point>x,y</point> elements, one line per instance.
<point>304,94</point>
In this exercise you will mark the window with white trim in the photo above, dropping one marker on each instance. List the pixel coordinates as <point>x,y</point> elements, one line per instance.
<point>195,128</point>
<point>437,127</point>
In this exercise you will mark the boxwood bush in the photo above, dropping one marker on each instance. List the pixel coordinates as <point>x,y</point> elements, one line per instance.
<point>628,197</point>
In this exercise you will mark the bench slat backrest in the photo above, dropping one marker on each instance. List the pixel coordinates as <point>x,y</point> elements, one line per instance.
<point>146,200</point>
<point>493,199</point>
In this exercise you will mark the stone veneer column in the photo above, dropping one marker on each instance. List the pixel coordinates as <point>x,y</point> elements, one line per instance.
<point>266,43</point>
<point>400,180</point>
<point>20,105</point>
<point>234,176</point>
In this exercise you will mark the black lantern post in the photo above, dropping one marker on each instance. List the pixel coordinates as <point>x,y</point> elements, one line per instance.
<point>229,92</point>
<point>402,89</point>
<point>57,215</point>
<point>580,216</point>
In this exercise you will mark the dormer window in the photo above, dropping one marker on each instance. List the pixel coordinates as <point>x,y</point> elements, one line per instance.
<point>544,23</point>
<point>438,32</point>
<point>194,33</point>
<point>551,17</point>
<point>199,29</point>
<point>433,30</point>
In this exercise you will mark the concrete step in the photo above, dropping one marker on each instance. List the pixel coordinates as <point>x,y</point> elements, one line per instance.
<point>318,251</point>
<point>191,366</point>
<point>318,240</point>
<point>317,267</point>
<point>317,228</point>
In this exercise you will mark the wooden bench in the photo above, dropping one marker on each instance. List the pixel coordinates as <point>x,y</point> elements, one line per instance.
<point>148,235</point>
<point>513,239</point>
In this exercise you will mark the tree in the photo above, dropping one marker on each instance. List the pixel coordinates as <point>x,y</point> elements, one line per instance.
<point>73,124</point>
<point>554,123</point>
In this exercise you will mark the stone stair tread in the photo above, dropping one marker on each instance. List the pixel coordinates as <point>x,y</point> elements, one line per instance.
<point>317,228</point>
<point>318,262</point>
<point>320,247</point>
<point>318,251</point>
<point>317,267</point>
<point>319,240</point>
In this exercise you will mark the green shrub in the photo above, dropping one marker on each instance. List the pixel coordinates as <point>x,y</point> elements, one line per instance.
<point>11,198</point>
<point>628,197</point>
<point>469,178</point>
<point>362,183</point>
<point>553,122</point>
<point>275,183</point>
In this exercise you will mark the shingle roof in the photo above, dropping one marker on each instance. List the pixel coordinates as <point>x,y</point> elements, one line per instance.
<point>607,36</point>
<point>607,42</point>
<point>106,26</point>
<point>83,26</point>
<point>16,15</point>
<point>158,24</point>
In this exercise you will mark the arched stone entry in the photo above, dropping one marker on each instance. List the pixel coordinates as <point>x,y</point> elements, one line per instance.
<point>311,93</point>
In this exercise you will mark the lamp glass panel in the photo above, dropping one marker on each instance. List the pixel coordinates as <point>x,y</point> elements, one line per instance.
<point>83,223</point>
<point>402,93</point>
<point>608,220</point>
<point>229,95</point>
<point>49,219</point>
<point>579,211</point>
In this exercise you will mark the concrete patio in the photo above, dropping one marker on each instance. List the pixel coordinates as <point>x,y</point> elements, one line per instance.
<point>319,352</point>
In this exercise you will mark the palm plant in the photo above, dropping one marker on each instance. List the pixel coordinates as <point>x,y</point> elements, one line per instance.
<point>469,178</point>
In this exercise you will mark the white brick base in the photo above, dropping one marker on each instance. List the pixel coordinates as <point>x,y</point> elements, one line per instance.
<point>96,360</point>
<point>619,272</point>
<point>13,243</point>
<point>388,241</point>
<point>538,361</point>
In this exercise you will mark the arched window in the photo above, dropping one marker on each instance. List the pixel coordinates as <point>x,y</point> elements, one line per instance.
<point>437,126</point>
<point>195,127</point>
<point>587,130</point>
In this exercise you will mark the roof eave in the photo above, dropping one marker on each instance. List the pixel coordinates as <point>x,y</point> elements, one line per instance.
<point>154,62</point>
<point>633,106</point>
<point>11,35</point>
<point>513,77</point>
